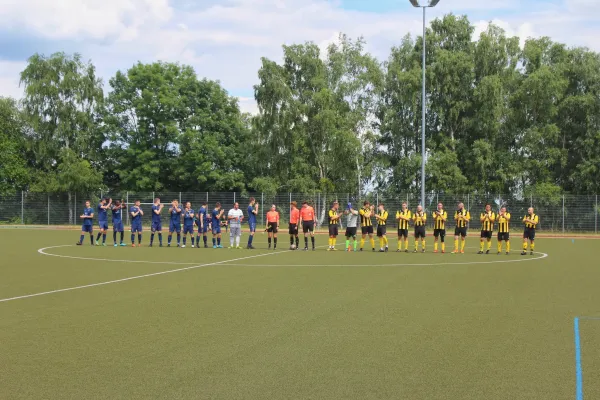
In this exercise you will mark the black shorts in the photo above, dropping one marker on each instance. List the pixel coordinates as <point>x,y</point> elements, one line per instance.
<point>460,231</point>
<point>272,227</point>
<point>350,231</point>
<point>333,230</point>
<point>503,236</point>
<point>381,230</point>
<point>486,234</point>
<point>420,231</point>
<point>293,229</point>
<point>529,233</point>
<point>308,226</point>
<point>367,230</point>
<point>403,233</point>
<point>439,232</point>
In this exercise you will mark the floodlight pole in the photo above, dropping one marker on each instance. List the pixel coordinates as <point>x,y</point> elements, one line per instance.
<point>424,111</point>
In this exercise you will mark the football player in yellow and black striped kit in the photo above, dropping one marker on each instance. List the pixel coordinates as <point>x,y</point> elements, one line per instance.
<point>334,219</point>
<point>419,219</point>
<point>462,218</point>
<point>403,217</point>
<point>440,216</point>
<point>381,217</point>
<point>503,230</point>
<point>487,219</point>
<point>366,225</point>
<point>530,220</point>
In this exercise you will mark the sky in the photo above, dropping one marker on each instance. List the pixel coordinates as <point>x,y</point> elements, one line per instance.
<point>225,40</point>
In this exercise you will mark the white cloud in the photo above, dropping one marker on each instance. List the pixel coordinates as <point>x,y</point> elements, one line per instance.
<point>9,78</point>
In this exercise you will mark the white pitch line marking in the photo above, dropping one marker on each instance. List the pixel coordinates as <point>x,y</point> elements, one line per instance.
<point>43,251</point>
<point>137,277</point>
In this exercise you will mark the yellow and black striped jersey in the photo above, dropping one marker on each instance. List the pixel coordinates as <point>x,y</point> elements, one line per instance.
<point>503,222</point>
<point>439,219</point>
<point>462,218</point>
<point>383,216</point>
<point>532,217</point>
<point>419,218</point>
<point>365,217</point>
<point>487,221</point>
<point>333,217</point>
<point>403,223</point>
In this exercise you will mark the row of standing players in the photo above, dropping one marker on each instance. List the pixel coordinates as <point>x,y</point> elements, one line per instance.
<point>305,217</point>
<point>418,219</point>
<point>203,222</point>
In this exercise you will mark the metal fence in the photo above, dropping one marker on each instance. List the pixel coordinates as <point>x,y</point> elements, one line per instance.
<point>564,213</point>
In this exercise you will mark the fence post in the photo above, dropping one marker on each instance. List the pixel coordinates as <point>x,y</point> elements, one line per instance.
<point>180,198</point>
<point>48,209</point>
<point>531,203</point>
<point>262,203</point>
<point>563,214</point>
<point>126,210</point>
<point>377,198</point>
<point>22,208</point>
<point>290,202</point>
<point>74,208</point>
<point>468,201</point>
<point>153,197</point>
<point>233,197</point>
<point>596,216</point>
<point>207,198</point>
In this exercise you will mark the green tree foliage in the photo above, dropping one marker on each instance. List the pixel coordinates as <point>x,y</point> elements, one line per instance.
<point>14,171</point>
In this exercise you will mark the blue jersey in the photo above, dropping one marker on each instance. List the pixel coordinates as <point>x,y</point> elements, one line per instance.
<point>251,215</point>
<point>116,215</point>
<point>87,211</point>
<point>175,216</point>
<point>188,219</point>
<point>135,219</point>
<point>155,216</point>
<point>102,213</point>
<point>203,214</point>
<point>215,219</point>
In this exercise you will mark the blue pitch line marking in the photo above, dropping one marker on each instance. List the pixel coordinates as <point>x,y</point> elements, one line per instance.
<point>578,371</point>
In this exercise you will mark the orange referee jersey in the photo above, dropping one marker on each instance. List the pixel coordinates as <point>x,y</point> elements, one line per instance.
<point>307,213</point>
<point>294,216</point>
<point>272,216</point>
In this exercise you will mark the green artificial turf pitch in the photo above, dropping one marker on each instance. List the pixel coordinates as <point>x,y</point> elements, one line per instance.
<point>295,325</point>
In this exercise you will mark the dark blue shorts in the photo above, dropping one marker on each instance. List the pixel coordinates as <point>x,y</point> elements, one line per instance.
<point>136,228</point>
<point>216,230</point>
<point>103,225</point>
<point>205,228</point>
<point>87,228</point>
<point>156,227</point>
<point>188,229</point>
<point>118,227</point>
<point>173,227</point>
<point>252,226</point>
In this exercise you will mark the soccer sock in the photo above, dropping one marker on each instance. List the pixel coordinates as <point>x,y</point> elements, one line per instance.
<point>455,244</point>
<point>197,240</point>
<point>237,241</point>
<point>423,244</point>
<point>139,238</point>
<point>104,238</point>
<point>385,241</point>
<point>251,239</point>
<point>297,241</point>
<point>330,242</point>
<point>122,236</point>
<point>151,238</point>
<point>347,243</point>
<point>443,246</point>
<point>193,241</point>
<point>462,244</point>
<point>178,238</point>
<point>532,246</point>
<point>160,237</point>
<point>334,241</point>
<point>362,243</point>
<point>481,245</point>
<point>214,241</point>
<point>524,246</point>
<point>132,238</point>
<point>399,244</point>
<point>169,239</point>
<point>185,240</point>
<point>508,246</point>
<point>406,244</point>
<point>305,242</point>
<point>499,246</point>
<point>218,241</point>
<point>312,241</point>
<point>274,242</point>
<point>115,237</point>
<point>355,243</point>
<point>435,246</point>
<point>230,240</point>
<point>269,240</point>
<point>81,238</point>
<point>91,238</point>
<point>489,244</point>
<point>98,237</point>
<point>372,243</point>
<point>416,244</point>
<point>381,242</point>
<point>291,240</point>
<point>205,239</point>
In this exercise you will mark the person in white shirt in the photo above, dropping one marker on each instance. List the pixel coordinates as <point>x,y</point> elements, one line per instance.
<point>235,217</point>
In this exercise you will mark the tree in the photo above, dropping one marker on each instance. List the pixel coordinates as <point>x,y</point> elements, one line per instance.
<point>14,171</point>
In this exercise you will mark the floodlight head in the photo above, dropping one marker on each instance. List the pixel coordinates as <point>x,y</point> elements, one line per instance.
<point>415,3</point>
<point>433,3</point>
<point>430,3</point>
